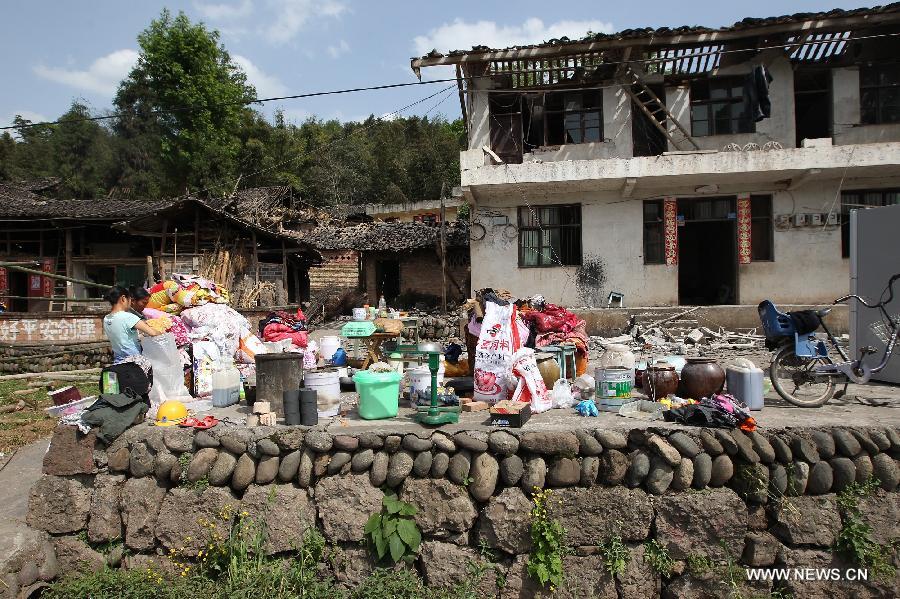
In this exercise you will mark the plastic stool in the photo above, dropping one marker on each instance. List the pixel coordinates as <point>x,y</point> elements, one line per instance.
<point>563,353</point>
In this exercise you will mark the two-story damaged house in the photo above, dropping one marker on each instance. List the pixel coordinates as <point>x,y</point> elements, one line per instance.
<point>689,165</point>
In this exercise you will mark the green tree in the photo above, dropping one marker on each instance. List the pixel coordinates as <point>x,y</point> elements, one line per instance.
<point>82,154</point>
<point>186,89</point>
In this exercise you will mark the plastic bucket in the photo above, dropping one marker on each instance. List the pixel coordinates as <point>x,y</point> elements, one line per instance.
<point>327,346</point>
<point>420,377</point>
<point>379,394</point>
<point>614,387</point>
<point>745,382</point>
<point>327,385</point>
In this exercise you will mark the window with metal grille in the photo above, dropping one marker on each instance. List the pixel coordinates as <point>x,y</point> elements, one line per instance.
<point>717,107</point>
<point>654,250</point>
<point>854,200</point>
<point>573,117</point>
<point>762,247</point>
<point>550,235</point>
<point>879,94</point>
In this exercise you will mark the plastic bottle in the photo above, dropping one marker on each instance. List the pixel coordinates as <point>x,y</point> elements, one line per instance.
<point>110,382</point>
<point>382,307</point>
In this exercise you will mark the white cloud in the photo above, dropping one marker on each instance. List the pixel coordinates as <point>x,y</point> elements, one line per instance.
<point>102,76</point>
<point>460,35</point>
<point>266,85</point>
<point>224,11</point>
<point>292,16</point>
<point>341,48</point>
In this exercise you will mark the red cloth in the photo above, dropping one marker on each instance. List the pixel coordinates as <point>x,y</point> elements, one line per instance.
<point>552,319</point>
<point>278,332</point>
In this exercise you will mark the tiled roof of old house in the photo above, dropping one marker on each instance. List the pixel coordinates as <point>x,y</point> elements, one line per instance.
<point>669,32</point>
<point>379,236</point>
<point>19,203</point>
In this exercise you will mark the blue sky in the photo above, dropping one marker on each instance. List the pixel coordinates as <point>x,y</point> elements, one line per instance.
<point>56,51</point>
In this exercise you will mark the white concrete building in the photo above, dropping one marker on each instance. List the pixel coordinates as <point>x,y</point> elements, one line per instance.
<point>576,192</point>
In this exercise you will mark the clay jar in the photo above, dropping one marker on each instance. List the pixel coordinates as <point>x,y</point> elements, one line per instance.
<point>701,377</point>
<point>660,380</point>
<point>548,367</point>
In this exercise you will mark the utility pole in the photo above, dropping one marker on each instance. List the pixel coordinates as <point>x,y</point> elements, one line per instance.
<point>443,252</point>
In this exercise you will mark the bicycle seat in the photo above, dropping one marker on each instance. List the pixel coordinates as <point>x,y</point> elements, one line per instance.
<point>823,312</point>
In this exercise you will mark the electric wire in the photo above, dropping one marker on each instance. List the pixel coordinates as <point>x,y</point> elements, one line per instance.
<point>434,81</point>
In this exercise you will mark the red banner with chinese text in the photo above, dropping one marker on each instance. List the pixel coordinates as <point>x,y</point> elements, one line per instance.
<point>670,230</point>
<point>47,265</point>
<point>744,229</point>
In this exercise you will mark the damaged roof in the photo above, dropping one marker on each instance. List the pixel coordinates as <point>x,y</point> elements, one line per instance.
<point>380,236</point>
<point>668,35</point>
<point>19,203</point>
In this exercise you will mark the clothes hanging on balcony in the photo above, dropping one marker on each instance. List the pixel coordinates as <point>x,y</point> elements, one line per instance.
<point>756,94</point>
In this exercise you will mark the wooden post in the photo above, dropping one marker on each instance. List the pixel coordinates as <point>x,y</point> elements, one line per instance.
<point>196,231</point>
<point>162,249</point>
<point>150,280</point>
<point>443,252</point>
<point>70,288</point>
<point>255,256</point>
<point>284,268</point>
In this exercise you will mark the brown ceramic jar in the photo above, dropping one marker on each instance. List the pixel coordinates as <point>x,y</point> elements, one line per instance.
<point>701,377</point>
<point>659,380</point>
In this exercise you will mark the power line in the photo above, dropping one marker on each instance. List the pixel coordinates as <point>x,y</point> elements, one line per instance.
<point>235,103</point>
<point>662,59</point>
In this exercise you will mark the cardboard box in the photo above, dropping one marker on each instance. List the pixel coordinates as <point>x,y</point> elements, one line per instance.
<point>474,406</point>
<point>513,414</point>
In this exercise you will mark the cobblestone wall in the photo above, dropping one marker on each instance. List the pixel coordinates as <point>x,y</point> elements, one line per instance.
<point>51,358</point>
<point>711,497</point>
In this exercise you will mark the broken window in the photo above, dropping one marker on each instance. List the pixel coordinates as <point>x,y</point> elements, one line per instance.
<point>717,107</point>
<point>761,232</point>
<point>550,235</point>
<point>654,251</point>
<point>852,200</point>
<point>879,94</point>
<point>573,117</point>
<point>506,127</point>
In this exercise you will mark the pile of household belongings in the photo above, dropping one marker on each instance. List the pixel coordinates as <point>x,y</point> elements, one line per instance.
<point>280,326</point>
<point>208,332</point>
<point>502,335</point>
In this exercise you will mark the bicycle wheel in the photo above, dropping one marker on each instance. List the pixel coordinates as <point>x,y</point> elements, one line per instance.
<point>795,380</point>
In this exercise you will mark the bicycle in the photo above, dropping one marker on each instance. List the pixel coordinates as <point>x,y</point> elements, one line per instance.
<point>801,359</point>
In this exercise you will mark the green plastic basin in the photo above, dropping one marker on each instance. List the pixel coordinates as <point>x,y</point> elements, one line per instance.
<point>379,394</point>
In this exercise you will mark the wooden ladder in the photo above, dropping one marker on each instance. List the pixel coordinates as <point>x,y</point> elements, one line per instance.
<point>651,105</point>
<point>59,286</point>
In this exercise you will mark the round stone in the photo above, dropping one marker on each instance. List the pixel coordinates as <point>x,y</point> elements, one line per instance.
<point>422,464</point>
<point>587,444</point>
<point>362,460</point>
<point>762,447</point>
<point>782,450</point>
<point>710,444</point>
<point>443,443</point>
<point>821,477</point>
<point>798,475</point>
<point>722,471</point>
<point>289,466</point>
<point>485,471</point>
<point>469,442</point>
<point>346,443</point>
<point>702,471</point>
<point>611,439</point>
<point>338,461</point>
<point>880,440</point>
<point>727,442</point>
<point>200,464</point>
<point>846,443</point>
<point>804,450</point>
<point>864,470</point>
<point>511,470</point>
<point>684,444</point>
<point>370,440</point>
<point>613,466</point>
<point>564,472</point>
<point>378,473</point>
<point>778,480</point>
<point>267,447</point>
<point>439,464</point>
<point>660,476</point>
<point>745,447</point>
<point>414,443</point>
<point>885,470</point>
<point>683,476</point>
<point>503,444</point>
<point>844,473</point>
<point>244,473</point>
<point>392,443</point>
<point>534,475</point>
<point>638,470</point>
<point>267,469</point>
<point>305,470</point>
<point>590,466</point>
<point>163,465</point>
<point>399,467</point>
<point>866,442</point>
<point>824,443</point>
<point>318,441</point>
<point>204,440</point>
<point>458,471</point>
<point>236,441</point>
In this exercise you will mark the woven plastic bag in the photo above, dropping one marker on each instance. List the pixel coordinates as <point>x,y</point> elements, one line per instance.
<point>498,341</point>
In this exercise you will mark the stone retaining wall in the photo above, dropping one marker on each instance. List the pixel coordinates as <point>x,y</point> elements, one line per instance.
<point>16,359</point>
<point>714,497</point>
